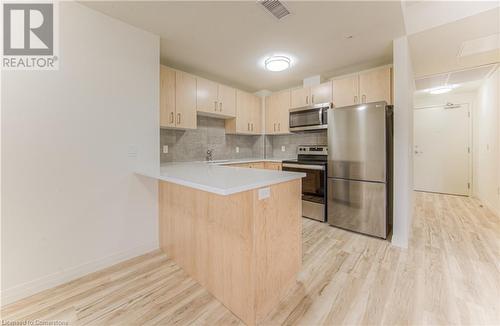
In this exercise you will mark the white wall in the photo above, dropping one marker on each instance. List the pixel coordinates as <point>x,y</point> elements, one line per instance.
<point>71,203</point>
<point>486,171</point>
<point>404,87</point>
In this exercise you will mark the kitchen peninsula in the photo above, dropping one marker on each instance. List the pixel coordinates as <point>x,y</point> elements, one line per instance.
<point>237,231</point>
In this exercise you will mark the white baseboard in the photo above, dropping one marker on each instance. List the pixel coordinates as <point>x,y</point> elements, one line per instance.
<point>29,288</point>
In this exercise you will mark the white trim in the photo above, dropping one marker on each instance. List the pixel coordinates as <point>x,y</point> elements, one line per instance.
<point>32,287</point>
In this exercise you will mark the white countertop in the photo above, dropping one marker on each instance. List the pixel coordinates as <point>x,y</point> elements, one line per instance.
<point>222,180</point>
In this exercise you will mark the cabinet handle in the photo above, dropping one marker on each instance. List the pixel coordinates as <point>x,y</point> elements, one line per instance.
<point>252,126</point>
<point>171,117</point>
<point>363,99</point>
<point>220,106</point>
<point>312,98</point>
<point>355,99</point>
<point>178,118</point>
<point>215,105</point>
<point>274,126</point>
<point>248,127</point>
<point>307,99</point>
<point>279,126</point>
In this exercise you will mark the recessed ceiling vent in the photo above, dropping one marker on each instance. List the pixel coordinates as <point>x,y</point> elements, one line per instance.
<point>276,8</point>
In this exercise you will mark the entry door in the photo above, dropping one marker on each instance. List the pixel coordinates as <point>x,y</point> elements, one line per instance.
<point>442,149</point>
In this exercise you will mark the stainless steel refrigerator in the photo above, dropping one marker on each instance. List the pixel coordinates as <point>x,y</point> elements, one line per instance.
<point>360,168</point>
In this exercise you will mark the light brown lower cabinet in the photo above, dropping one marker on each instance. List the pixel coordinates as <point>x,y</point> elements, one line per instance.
<point>245,250</point>
<point>258,165</point>
<point>272,166</point>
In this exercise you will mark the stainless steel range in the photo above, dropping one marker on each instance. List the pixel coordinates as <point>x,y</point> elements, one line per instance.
<point>312,160</point>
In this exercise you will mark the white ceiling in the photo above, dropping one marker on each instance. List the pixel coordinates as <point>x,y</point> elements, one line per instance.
<point>226,41</point>
<point>436,50</point>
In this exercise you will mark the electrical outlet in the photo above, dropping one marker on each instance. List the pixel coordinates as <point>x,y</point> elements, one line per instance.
<point>237,149</point>
<point>283,148</point>
<point>165,149</point>
<point>264,193</point>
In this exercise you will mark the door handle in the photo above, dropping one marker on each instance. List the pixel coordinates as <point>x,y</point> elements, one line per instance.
<point>178,118</point>
<point>171,117</point>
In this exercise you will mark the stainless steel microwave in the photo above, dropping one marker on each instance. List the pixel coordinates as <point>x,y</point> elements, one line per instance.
<point>309,118</point>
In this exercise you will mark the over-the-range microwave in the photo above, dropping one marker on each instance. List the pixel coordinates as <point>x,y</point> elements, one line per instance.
<point>309,118</point>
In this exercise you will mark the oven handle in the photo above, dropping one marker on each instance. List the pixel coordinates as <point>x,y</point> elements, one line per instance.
<point>304,166</point>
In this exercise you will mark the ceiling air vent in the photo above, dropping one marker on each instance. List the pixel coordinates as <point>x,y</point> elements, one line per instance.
<point>276,8</point>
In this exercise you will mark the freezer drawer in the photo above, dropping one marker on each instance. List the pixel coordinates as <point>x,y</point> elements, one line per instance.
<point>358,206</point>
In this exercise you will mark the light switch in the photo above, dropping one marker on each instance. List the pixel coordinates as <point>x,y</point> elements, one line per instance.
<point>283,148</point>
<point>237,149</point>
<point>132,151</point>
<point>264,193</point>
<point>165,149</point>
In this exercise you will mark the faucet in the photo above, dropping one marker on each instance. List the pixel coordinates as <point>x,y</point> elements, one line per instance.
<point>209,155</point>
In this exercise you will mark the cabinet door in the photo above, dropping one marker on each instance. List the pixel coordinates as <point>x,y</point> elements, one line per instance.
<point>375,85</point>
<point>301,97</point>
<point>257,165</point>
<point>185,100</point>
<point>227,101</point>
<point>271,113</point>
<point>243,114</point>
<point>345,91</point>
<point>256,118</point>
<point>206,95</point>
<point>283,112</point>
<point>272,166</point>
<point>167,97</point>
<point>321,93</point>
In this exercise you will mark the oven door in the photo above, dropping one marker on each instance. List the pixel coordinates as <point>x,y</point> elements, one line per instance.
<point>313,189</point>
<point>307,119</point>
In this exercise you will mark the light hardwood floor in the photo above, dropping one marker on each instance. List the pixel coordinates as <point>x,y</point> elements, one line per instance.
<point>450,274</point>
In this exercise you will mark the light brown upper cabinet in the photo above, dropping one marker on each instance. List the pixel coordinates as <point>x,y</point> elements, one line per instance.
<point>167,97</point>
<point>370,86</point>
<point>227,101</point>
<point>248,115</point>
<point>345,91</point>
<point>375,85</point>
<point>177,99</point>
<point>305,96</point>
<point>277,112</point>
<point>321,93</point>
<point>215,99</point>
<point>185,100</point>
<point>300,97</point>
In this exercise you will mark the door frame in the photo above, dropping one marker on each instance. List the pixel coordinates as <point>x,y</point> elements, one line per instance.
<point>470,142</point>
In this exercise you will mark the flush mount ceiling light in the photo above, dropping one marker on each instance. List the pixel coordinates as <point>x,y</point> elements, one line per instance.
<point>277,63</point>
<point>442,89</point>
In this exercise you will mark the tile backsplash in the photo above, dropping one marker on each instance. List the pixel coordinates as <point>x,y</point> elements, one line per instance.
<point>192,145</point>
<point>274,144</point>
